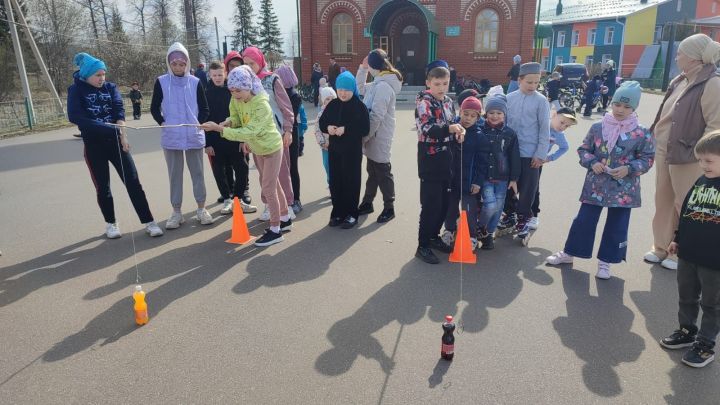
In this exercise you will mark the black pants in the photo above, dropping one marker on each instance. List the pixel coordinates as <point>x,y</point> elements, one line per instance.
<point>136,110</point>
<point>345,181</point>
<point>316,94</point>
<point>97,156</point>
<point>434,197</point>
<point>528,184</point>
<point>536,203</point>
<point>588,106</point>
<point>699,287</point>
<point>230,169</point>
<point>294,172</point>
<point>380,176</point>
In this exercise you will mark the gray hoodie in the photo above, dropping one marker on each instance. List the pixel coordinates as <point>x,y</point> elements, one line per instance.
<point>379,98</point>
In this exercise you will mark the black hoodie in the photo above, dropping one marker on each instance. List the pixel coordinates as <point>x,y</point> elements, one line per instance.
<point>218,99</point>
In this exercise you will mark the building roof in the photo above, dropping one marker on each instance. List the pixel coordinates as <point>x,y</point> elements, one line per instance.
<point>589,10</point>
<point>708,20</point>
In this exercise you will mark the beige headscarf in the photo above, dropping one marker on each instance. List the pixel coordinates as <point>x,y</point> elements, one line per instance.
<point>701,47</point>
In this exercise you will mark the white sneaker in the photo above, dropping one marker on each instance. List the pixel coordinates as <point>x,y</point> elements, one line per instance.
<point>175,220</point>
<point>474,243</point>
<point>204,216</point>
<point>247,208</point>
<point>669,264</point>
<point>448,237</point>
<point>533,223</point>
<point>265,216</point>
<point>603,271</point>
<point>652,257</point>
<point>227,207</point>
<point>152,229</point>
<point>291,213</point>
<point>559,258</point>
<point>112,231</point>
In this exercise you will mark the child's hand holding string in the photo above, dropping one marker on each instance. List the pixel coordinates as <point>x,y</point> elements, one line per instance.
<point>123,137</point>
<point>211,126</point>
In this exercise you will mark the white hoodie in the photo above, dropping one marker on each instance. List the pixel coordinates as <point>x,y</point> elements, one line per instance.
<point>379,97</point>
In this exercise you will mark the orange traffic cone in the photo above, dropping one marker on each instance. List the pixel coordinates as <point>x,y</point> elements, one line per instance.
<point>240,234</point>
<point>463,252</point>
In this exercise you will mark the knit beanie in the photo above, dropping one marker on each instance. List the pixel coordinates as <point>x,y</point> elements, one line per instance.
<point>287,75</point>
<point>376,61</point>
<point>628,93</point>
<point>529,68</point>
<point>701,47</point>
<point>243,78</point>
<point>497,102</point>
<point>472,103</point>
<point>517,59</point>
<point>346,81</point>
<point>88,65</point>
<point>495,90</point>
<point>326,92</point>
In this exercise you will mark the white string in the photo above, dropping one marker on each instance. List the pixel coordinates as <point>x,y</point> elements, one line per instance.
<point>132,234</point>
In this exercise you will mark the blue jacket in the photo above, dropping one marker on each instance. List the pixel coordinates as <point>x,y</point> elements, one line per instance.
<point>91,108</point>
<point>502,153</point>
<point>472,164</point>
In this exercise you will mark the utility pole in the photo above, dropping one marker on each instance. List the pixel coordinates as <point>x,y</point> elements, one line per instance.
<point>217,38</point>
<point>21,64</point>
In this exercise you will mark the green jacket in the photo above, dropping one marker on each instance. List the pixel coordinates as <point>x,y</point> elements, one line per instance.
<point>252,123</point>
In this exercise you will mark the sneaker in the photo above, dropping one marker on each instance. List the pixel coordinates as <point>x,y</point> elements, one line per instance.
<point>521,225</point>
<point>291,213</point>
<point>533,223</point>
<point>651,257</point>
<point>426,255</point>
<point>335,222</point>
<point>247,208</point>
<point>679,339</point>
<point>221,199</point>
<point>559,258</point>
<point>349,222</point>
<point>474,243</point>
<point>603,271</point>
<point>286,226</point>
<point>112,231</point>
<point>507,224</point>
<point>246,198</point>
<point>175,220</point>
<point>386,215</point>
<point>296,207</point>
<point>669,264</point>
<point>365,208</point>
<point>699,356</point>
<point>270,238</point>
<point>204,216</point>
<point>152,229</point>
<point>265,216</point>
<point>448,237</point>
<point>438,244</point>
<point>488,242</point>
<point>227,207</point>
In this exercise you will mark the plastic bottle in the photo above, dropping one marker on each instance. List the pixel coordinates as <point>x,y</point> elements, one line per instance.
<point>447,350</point>
<point>141,310</point>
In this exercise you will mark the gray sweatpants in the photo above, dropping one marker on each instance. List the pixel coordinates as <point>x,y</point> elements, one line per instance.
<point>174,160</point>
<point>699,287</point>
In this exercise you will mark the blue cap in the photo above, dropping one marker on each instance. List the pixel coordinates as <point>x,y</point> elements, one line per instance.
<point>88,65</point>
<point>435,64</point>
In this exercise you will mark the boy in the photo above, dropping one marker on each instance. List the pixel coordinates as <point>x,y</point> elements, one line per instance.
<point>223,152</point>
<point>434,117</point>
<point>560,121</point>
<point>698,273</point>
<point>136,99</point>
<point>553,90</point>
<point>527,114</point>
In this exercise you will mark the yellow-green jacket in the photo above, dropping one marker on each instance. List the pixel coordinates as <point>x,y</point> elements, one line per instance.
<point>252,123</point>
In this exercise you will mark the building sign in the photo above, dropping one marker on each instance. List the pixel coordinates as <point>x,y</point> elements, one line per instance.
<point>366,32</point>
<point>452,31</point>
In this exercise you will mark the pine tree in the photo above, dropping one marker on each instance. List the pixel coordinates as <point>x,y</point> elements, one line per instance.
<point>246,32</point>
<point>270,38</point>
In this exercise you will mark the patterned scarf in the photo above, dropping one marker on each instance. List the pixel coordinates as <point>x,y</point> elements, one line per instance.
<point>612,129</point>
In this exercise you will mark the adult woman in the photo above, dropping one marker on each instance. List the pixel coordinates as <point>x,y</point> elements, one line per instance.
<point>689,111</point>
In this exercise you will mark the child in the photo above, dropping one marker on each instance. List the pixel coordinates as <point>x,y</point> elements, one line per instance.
<point>434,119</point>
<point>380,101</point>
<point>251,120</point>
<point>179,98</point>
<point>560,120</point>
<point>136,99</point>
<point>92,103</point>
<point>592,88</point>
<point>698,271</point>
<point>470,170</point>
<point>502,151</point>
<point>302,127</point>
<point>553,90</point>
<point>290,80</point>
<point>347,122</point>
<point>284,118</point>
<point>615,152</point>
<point>327,94</point>
<point>231,61</point>
<point>528,113</point>
<point>221,151</point>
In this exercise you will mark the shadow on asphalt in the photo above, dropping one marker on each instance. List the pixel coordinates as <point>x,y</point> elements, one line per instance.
<point>659,306</point>
<point>597,329</point>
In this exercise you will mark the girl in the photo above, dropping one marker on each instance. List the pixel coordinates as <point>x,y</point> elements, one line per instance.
<point>615,152</point>
<point>347,121</point>
<point>290,80</point>
<point>327,94</point>
<point>179,98</point>
<point>380,101</point>
<point>283,114</point>
<point>92,103</point>
<point>251,121</point>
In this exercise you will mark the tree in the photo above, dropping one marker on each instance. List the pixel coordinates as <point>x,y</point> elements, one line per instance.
<point>117,53</point>
<point>270,38</point>
<point>161,20</point>
<point>245,31</point>
<point>139,9</point>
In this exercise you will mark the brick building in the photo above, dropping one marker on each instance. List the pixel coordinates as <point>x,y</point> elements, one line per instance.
<point>477,37</point>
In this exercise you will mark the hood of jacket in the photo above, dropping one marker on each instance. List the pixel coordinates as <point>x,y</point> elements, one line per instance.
<point>230,56</point>
<point>389,78</point>
<point>177,46</point>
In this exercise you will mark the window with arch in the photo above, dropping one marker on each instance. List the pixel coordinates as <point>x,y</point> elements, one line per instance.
<point>487,25</point>
<point>342,33</point>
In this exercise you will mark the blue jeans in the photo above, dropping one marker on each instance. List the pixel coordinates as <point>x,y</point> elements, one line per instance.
<point>493,194</point>
<point>326,164</point>
<point>613,245</point>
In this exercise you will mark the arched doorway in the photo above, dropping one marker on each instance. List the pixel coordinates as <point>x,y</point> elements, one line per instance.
<point>406,31</point>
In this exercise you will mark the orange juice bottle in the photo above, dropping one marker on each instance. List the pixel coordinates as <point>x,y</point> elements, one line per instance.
<point>141,311</point>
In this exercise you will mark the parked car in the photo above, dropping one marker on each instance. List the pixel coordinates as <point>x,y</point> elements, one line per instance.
<point>573,74</point>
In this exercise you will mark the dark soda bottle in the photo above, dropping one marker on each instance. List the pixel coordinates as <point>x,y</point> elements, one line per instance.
<point>447,351</point>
